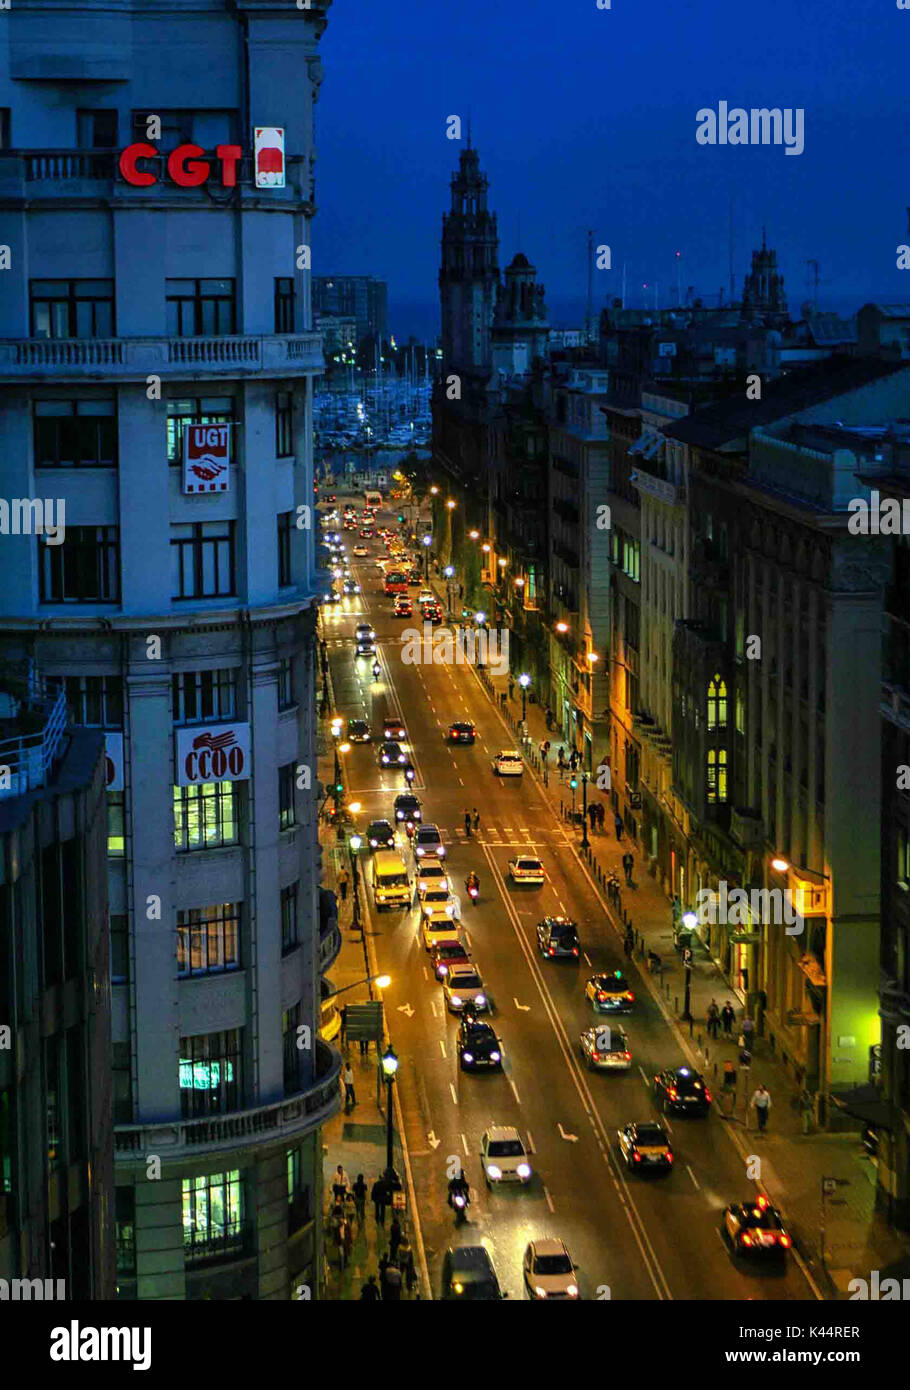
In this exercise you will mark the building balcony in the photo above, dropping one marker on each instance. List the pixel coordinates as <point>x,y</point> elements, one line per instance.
<point>657,487</point>
<point>747,827</point>
<point>68,173</point>
<point>133,359</point>
<point>283,1121</point>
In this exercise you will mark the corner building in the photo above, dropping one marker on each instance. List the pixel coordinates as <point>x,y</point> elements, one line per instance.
<point>182,620</point>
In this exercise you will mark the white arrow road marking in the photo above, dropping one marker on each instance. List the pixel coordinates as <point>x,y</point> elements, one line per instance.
<point>406,1009</point>
<point>549,1200</point>
<point>525,1008</point>
<point>572,1138</point>
<point>454,1096</point>
<point>442,1046</point>
<point>434,1142</point>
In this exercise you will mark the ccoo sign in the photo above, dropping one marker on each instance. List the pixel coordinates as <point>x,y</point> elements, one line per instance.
<point>219,753</point>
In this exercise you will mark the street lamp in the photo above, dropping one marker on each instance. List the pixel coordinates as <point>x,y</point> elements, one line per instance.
<point>689,921</point>
<point>354,844</point>
<point>475,535</point>
<point>389,1063</point>
<point>524,680</point>
<point>380,981</point>
<point>434,491</point>
<point>562,627</point>
<point>480,619</point>
<point>449,573</point>
<point>426,541</point>
<point>450,504</point>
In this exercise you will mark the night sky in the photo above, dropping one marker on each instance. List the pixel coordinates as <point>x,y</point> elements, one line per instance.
<point>586,118</point>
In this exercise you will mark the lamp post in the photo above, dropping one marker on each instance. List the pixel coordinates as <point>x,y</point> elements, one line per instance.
<point>354,844</point>
<point>689,921</point>
<point>585,842</point>
<point>449,573</point>
<point>524,680</point>
<point>389,1064</point>
<point>427,541</point>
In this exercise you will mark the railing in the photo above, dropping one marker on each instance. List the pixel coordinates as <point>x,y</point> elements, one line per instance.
<point>123,357</point>
<point>231,1241</point>
<point>30,757</point>
<point>68,165</point>
<point>283,1117</point>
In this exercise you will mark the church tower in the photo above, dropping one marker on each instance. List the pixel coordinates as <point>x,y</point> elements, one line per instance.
<point>520,328</point>
<point>763,292</point>
<point>469,273</point>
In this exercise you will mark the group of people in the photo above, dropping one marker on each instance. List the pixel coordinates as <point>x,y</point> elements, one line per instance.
<point>397,1270</point>
<point>723,1018</point>
<point>471,819</point>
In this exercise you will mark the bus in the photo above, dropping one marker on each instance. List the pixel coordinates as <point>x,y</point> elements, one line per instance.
<point>396,582</point>
<point>372,498</point>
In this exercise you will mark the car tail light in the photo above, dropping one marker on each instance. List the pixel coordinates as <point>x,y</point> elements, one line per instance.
<point>672,1093</point>
<point>763,1202</point>
<point>594,1055</point>
<point>669,1156</point>
<point>600,996</point>
<point>629,995</point>
<point>637,1157</point>
<point>552,950</point>
<point>627,1056</point>
<point>707,1095</point>
<point>746,1238</point>
<point>785,1240</point>
<point>574,950</point>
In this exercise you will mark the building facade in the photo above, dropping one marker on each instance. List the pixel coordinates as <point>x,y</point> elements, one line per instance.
<point>179,605</point>
<point>363,298</point>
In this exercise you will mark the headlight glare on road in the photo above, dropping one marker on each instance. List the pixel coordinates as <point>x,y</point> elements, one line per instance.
<point>523,1170</point>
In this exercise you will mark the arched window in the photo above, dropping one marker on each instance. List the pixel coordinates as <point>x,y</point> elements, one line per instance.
<point>717,703</point>
<point>717,775</point>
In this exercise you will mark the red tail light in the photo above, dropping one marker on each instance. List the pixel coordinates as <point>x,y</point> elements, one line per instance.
<point>785,1241</point>
<point>600,996</point>
<point>746,1238</point>
<point>629,995</point>
<point>669,1156</point>
<point>707,1095</point>
<point>637,1157</point>
<point>574,950</point>
<point>672,1093</point>
<point>552,950</point>
<point>627,1056</point>
<point>595,1054</point>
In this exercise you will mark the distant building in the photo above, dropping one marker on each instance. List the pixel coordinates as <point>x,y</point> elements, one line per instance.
<point>363,298</point>
<point>339,334</point>
<point>56,1107</point>
<point>884,330</point>
<point>469,271</point>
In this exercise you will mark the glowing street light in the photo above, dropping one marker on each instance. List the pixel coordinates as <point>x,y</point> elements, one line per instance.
<point>480,618</point>
<point>524,680</point>
<point>451,504</point>
<point>449,571</point>
<point>389,1063</point>
<point>434,490</point>
<point>475,535</point>
<point>780,865</point>
<point>485,548</point>
<point>562,627</point>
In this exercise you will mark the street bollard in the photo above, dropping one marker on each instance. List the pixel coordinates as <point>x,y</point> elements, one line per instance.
<point>691,1026</point>
<point>676,1003</point>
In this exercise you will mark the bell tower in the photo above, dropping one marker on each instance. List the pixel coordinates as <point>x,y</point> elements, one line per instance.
<point>469,270</point>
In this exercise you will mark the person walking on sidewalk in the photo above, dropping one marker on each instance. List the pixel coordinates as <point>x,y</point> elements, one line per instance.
<point>379,1196</point>
<point>592,816</point>
<point>713,1018</point>
<point>617,822</point>
<point>747,1028</point>
<point>392,1282</point>
<point>370,1291</point>
<point>573,760</point>
<point>344,879</point>
<point>628,864</point>
<point>727,1015</point>
<point>340,1186</point>
<point>628,944</point>
<point>406,1263</point>
<point>511,689</point>
<point>350,1099</point>
<point>360,1199</point>
<point>467,823</point>
<point>395,1235</point>
<point>347,1241</point>
<point>476,820</point>
<point>601,815</point>
<point>761,1103</point>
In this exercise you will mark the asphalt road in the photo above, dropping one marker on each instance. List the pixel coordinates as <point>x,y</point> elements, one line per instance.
<point>641,1238</point>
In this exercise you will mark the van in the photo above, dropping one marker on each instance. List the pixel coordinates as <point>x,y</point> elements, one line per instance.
<point>468,1274</point>
<point>391,885</point>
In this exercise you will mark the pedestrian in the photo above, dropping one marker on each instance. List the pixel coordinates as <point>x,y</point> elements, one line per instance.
<point>344,879</point>
<point>350,1098</point>
<point>370,1291</point>
<point>467,822</point>
<point>628,945</point>
<point>713,1018</point>
<point>592,815</point>
<point>392,1289</point>
<point>340,1185</point>
<point>511,689</point>
<point>347,1240</point>
<point>360,1199</point>
<point>761,1102</point>
<point>364,1047</point>
<point>727,1016</point>
<point>337,1225</point>
<point>379,1196</point>
<point>406,1263</point>
<point>747,1028</point>
<point>628,864</point>
<point>476,820</point>
<point>573,760</point>
<point>617,821</point>
<point>542,750</point>
<point>395,1235</point>
<point>560,757</point>
<point>601,815</point>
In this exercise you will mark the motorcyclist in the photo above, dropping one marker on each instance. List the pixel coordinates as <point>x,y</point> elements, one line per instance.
<point>408,771</point>
<point>459,1187</point>
<point>376,670</point>
<point>472,883</point>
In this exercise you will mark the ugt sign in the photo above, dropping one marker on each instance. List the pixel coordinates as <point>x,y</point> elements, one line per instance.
<point>220,753</point>
<point>188,167</point>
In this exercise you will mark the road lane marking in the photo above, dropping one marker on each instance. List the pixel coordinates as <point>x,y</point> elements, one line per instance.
<point>546,1193</point>
<point>692,1176</point>
<point>454,1095</point>
<point>442,1046</point>
<point>515,1091</point>
<point>531,1148</point>
<point>525,1008</point>
<point>464,1145</point>
<point>644,1076</point>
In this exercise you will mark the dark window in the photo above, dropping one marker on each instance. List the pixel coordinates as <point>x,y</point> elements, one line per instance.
<point>284,304</point>
<point>123,1084</point>
<point>285,683</point>
<point>116,825</point>
<point>293,1055</point>
<point>84,569</point>
<point>96,129</point>
<point>205,816</point>
<point>202,410</point>
<point>205,127</point>
<point>201,308</point>
<point>208,939</point>
<point>289,937</point>
<point>209,1071</point>
<point>96,702</point>
<point>202,697</point>
<point>75,1094</point>
<point>284,424</point>
<point>5,138</point>
<point>53,1135</point>
<point>120,949</point>
<point>202,559</point>
<point>284,549</point>
<point>286,815</point>
<point>72,308</point>
<point>75,434</point>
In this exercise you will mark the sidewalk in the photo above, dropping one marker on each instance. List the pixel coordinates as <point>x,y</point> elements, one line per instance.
<point>793,1162</point>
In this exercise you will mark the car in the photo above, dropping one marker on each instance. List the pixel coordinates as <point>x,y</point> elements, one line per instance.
<point>461,732</point>
<point>477,1045</point>
<point>468,1275</point>
<point>436,902</point>
<point>548,1270</point>
<point>683,1090</point>
<point>380,835</point>
<point>756,1229</point>
<point>366,532</point>
<point>557,936</point>
<point>503,1156</point>
<point>365,647</point>
<point>437,929</point>
<point>609,994</point>
<point>431,874</point>
<point>428,842</point>
<point>331,497</point>
<point>605,1049</point>
<point>426,596</point>
<point>332,596</point>
<point>364,632</point>
<point>646,1148</point>
<point>432,614</point>
<point>360,552</point>
<point>447,953</point>
<point>350,524</point>
<point>526,869</point>
<point>390,754</point>
<point>350,587</point>
<point>507,763</point>
<point>359,731</point>
<point>393,728</point>
<point>403,608</point>
<point>407,808</point>
<point>463,986</point>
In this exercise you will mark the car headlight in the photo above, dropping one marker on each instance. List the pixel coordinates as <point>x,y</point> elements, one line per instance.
<point>420,851</point>
<point>493,1171</point>
<point>456,1000</point>
<point>374,843</point>
<point>572,1290</point>
<point>441,851</point>
<point>399,815</point>
<point>467,1056</point>
<point>494,1057</point>
<point>428,910</point>
<point>442,971</point>
<point>541,1293</point>
<point>450,910</point>
<point>523,1170</point>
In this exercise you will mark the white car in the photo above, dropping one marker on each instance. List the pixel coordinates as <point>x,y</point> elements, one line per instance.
<point>463,985</point>
<point>438,903</point>
<point>503,1156</point>
<point>549,1271</point>
<point>507,763</point>
<point>360,551</point>
<point>431,874</point>
<point>525,869</point>
<point>426,596</point>
<point>428,842</point>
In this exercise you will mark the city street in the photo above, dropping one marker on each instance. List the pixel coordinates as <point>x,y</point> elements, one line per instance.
<point>640,1238</point>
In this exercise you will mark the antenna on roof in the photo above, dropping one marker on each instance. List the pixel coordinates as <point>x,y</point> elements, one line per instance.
<point>814,279</point>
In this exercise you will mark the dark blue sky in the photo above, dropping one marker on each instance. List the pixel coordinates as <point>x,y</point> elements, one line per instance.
<point>586,118</point>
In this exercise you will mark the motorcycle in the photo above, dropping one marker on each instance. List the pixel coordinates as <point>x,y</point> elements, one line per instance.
<point>473,890</point>
<point>377,669</point>
<point>409,775</point>
<point>459,1202</point>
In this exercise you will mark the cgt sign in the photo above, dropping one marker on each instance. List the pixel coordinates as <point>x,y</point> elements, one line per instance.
<point>220,753</point>
<point>188,167</point>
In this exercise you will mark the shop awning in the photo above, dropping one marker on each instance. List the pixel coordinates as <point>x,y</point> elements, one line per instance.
<point>864,1103</point>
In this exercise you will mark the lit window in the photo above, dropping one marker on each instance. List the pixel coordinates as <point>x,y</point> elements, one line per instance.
<point>717,775</point>
<point>717,703</point>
